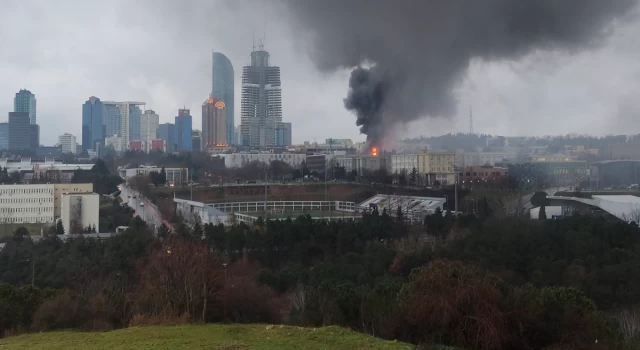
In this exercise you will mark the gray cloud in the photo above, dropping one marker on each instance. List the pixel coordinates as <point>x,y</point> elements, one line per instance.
<point>421,50</point>
<point>159,51</point>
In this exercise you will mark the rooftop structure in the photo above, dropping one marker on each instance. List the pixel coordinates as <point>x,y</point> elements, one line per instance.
<point>414,208</point>
<point>623,207</point>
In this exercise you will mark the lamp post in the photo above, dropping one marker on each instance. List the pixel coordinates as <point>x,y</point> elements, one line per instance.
<point>224,265</point>
<point>33,270</point>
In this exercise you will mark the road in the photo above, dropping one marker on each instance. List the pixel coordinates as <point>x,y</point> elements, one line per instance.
<point>142,207</point>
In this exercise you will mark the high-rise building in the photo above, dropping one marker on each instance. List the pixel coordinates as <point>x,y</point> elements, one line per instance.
<point>196,141</point>
<point>93,111</point>
<point>223,90</point>
<point>67,143</point>
<point>183,129</point>
<point>130,114</point>
<point>4,136</point>
<point>112,120</point>
<point>214,123</point>
<point>25,101</point>
<point>167,132</point>
<point>149,128</point>
<point>34,130</point>
<point>19,131</point>
<point>283,134</point>
<point>261,101</point>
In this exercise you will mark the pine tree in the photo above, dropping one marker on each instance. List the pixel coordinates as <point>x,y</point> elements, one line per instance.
<point>59,228</point>
<point>542,214</point>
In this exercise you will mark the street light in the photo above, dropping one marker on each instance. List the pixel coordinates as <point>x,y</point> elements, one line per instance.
<point>225,290</point>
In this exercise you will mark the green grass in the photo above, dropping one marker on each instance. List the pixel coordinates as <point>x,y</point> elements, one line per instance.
<point>209,337</point>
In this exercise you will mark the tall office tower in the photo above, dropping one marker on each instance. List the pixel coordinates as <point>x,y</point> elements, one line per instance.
<point>283,134</point>
<point>148,128</point>
<point>214,123</point>
<point>196,140</point>
<point>223,90</point>
<point>182,135</point>
<point>19,131</point>
<point>130,114</point>
<point>112,120</point>
<point>93,111</point>
<point>261,101</point>
<point>167,132</point>
<point>34,132</point>
<point>4,136</point>
<point>67,143</point>
<point>25,101</point>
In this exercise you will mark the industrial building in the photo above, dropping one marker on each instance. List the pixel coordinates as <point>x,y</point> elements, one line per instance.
<point>615,174</point>
<point>621,207</point>
<point>237,160</point>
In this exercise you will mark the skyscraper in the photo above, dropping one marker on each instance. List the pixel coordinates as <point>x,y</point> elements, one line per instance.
<point>19,131</point>
<point>25,101</point>
<point>130,114</point>
<point>283,134</point>
<point>223,90</point>
<point>167,132</point>
<point>196,140</point>
<point>112,120</point>
<point>183,131</point>
<point>67,143</point>
<point>261,101</point>
<point>4,136</point>
<point>148,128</point>
<point>93,111</point>
<point>214,123</point>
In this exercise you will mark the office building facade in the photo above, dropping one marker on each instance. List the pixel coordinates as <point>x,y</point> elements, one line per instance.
<point>214,123</point>
<point>149,127</point>
<point>34,131</point>
<point>196,141</point>
<point>112,120</point>
<point>283,134</point>
<point>67,143</point>
<point>93,129</point>
<point>183,128</point>
<point>167,132</point>
<point>130,114</point>
<point>25,101</point>
<point>223,90</point>
<point>4,136</point>
<point>19,131</point>
<point>261,108</point>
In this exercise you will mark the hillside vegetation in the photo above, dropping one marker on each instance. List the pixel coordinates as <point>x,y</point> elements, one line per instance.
<point>210,337</point>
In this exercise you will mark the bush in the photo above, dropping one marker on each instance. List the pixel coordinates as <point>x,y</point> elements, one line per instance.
<point>61,312</point>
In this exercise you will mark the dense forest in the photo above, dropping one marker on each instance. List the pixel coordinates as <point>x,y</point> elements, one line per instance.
<point>471,282</point>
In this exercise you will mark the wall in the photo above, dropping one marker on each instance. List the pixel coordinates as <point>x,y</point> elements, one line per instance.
<point>83,208</point>
<point>60,189</point>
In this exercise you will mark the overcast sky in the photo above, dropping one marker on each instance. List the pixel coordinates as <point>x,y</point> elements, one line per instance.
<point>159,51</point>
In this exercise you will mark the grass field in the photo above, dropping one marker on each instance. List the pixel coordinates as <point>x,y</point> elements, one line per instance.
<point>209,337</point>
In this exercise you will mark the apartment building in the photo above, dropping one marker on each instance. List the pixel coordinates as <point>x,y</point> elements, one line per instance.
<point>431,166</point>
<point>79,212</point>
<point>26,203</point>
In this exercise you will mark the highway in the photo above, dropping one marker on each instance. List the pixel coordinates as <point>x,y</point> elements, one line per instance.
<point>143,208</point>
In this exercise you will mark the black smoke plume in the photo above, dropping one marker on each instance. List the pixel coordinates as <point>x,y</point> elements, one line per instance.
<point>418,51</point>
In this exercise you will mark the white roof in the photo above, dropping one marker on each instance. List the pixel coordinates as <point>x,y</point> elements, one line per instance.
<point>624,207</point>
<point>407,203</point>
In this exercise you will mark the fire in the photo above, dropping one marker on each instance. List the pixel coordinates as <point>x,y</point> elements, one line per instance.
<point>374,151</point>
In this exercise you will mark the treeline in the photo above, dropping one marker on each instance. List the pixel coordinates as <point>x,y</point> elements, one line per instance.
<point>470,282</point>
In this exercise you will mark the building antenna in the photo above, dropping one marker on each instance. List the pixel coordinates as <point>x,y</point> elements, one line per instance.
<point>470,120</point>
<point>264,34</point>
<point>253,40</point>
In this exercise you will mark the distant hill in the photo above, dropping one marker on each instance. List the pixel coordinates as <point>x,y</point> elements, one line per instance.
<point>206,337</point>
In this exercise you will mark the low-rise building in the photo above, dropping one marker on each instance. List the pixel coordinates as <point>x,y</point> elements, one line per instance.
<point>237,160</point>
<point>80,212</point>
<point>175,176</point>
<point>27,203</point>
<point>615,173</point>
<point>482,173</point>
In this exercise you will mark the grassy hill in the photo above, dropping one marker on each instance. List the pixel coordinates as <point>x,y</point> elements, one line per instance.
<point>209,337</point>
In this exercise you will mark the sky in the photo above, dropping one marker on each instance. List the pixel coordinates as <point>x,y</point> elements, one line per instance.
<point>159,52</point>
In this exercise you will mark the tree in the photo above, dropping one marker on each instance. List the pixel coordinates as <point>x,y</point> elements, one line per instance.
<point>542,214</point>
<point>59,228</point>
<point>413,177</point>
<point>539,199</point>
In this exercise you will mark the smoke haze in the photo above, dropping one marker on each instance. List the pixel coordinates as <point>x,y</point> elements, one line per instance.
<point>409,55</point>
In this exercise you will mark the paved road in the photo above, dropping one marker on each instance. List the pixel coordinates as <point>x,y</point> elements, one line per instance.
<point>143,208</point>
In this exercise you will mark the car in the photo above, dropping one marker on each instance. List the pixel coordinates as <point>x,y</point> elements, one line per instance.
<point>134,197</point>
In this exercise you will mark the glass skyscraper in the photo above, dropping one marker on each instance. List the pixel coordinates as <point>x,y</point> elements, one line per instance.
<point>135,116</point>
<point>222,90</point>
<point>112,120</point>
<point>92,127</point>
<point>167,132</point>
<point>25,101</point>
<point>183,130</point>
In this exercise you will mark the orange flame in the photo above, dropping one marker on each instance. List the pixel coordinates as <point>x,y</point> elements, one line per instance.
<point>374,151</point>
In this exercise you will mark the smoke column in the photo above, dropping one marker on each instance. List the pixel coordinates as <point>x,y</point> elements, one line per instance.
<point>408,56</point>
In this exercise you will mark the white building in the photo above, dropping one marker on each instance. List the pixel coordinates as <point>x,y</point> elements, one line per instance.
<point>27,203</point>
<point>80,211</point>
<point>67,143</point>
<point>174,175</point>
<point>403,162</point>
<point>149,122</point>
<point>114,141</point>
<point>237,160</point>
